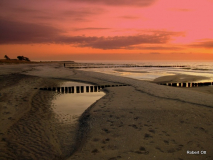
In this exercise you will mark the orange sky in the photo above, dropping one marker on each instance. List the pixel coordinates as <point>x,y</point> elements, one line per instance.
<point>107,29</point>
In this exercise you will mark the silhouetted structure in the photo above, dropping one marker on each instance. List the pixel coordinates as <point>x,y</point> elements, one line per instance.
<point>6,57</point>
<point>22,58</point>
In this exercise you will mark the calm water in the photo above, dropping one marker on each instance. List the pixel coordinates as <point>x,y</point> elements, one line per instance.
<point>204,69</point>
<point>70,106</point>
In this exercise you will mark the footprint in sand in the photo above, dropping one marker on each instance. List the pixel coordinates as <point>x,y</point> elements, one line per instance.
<point>106,130</point>
<point>142,150</point>
<point>95,151</point>
<point>146,136</point>
<point>152,130</point>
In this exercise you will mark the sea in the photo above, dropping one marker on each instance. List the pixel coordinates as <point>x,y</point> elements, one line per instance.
<point>195,68</point>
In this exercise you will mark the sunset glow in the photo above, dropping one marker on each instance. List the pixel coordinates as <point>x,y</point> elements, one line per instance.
<point>107,29</point>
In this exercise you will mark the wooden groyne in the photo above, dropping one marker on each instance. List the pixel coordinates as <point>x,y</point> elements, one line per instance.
<point>122,66</point>
<point>79,89</point>
<point>188,84</point>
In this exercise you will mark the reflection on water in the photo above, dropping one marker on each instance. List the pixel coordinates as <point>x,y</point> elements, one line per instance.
<point>69,107</point>
<point>148,74</point>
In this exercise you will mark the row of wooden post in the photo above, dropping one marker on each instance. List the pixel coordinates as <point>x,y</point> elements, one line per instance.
<point>122,66</point>
<point>198,84</point>
<point>79,89</point>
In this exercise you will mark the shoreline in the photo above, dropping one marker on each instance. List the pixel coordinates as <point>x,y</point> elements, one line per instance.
<point>141,125</point>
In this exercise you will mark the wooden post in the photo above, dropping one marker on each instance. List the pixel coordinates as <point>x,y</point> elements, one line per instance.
<point>102,87</point>
<point>174,84</point>
<point>91,88</point>
<point>62,89</point>
<point>207,83</point>
<point>70,90</point>
<point>82,89</point>
<point>95,88</point>
<point>77,89</point>
<point>200,84</point>
<point>87,88</point>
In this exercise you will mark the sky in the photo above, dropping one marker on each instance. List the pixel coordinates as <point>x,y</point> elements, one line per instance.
<point>107,29</point>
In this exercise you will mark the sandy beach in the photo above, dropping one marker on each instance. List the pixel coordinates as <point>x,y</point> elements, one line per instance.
<point>141,121</point>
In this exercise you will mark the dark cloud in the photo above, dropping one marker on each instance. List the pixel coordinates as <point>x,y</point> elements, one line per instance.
<point>32,10</point>
<point>116,42</point>
<point>126,42</point>
<point>139,3</point>
<point>82,12</point>
<point>14,32</point>
<point>204,44</point>
<point>27,10</point>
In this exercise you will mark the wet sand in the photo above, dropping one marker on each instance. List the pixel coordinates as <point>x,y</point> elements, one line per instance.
<point>140,121</point>
<point>122,70</point>
<point>179,78</point>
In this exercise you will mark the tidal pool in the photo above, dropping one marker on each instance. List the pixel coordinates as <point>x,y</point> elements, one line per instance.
<point>69,106</point>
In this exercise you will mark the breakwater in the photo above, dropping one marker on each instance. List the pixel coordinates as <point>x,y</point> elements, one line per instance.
<point>79,89</point>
